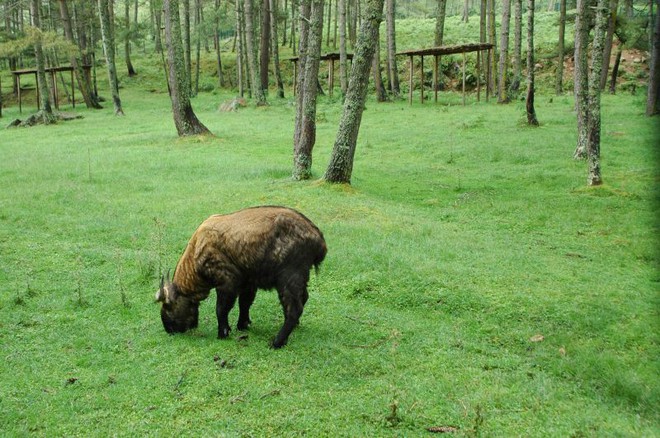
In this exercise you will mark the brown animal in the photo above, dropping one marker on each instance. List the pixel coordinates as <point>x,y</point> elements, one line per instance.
<point>238,253</point>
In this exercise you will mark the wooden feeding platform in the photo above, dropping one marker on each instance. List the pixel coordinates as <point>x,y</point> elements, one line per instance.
<point>52,70</point>
<point>331,57</point>
<point>437,52</point>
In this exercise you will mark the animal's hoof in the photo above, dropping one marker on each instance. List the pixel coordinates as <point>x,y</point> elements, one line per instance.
<point>243,325</point>
<point>277,344</point>
<point>223,333</point>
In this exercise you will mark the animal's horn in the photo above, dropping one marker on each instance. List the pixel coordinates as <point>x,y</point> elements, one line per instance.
<point>161,295</point>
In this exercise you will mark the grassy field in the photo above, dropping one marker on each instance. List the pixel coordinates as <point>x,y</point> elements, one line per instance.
<point>473,281</point>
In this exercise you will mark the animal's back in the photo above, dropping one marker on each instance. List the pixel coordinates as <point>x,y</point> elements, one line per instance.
<point>260,238</point>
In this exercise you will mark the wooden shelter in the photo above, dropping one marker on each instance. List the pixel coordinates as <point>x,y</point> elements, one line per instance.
<point>52,70</point>
<point>332,57</point>
<point>436,52</point>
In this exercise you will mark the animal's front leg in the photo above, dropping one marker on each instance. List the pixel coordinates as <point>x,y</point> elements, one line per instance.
<point>245,300</point>
<point>224,304</point>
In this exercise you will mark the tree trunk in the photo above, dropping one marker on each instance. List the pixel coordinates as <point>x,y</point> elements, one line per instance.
<point>517,48</point>
<point>440,14</point>
<point>264,47</point>
<point>185,120</point>
<point>251,49</point>
<point>198,45</point>
<point>559,84</point>
<point>653,97</point>
<point>393,73</point>
<point>76,60</point>
<point>156,12</point>
<point>276,51</point>
<point>46,112</point>
<point>581,77</point>
<point>109,50</point>
<point>187,50</point>
<point>504,52</point>
<point>607,50</point>
<point>340,167</point>
<point>381,95</point>
<point>302,149</point>
<point>216,41</point>
<point>127,38</point>
<point>343,59</point>
<point>615,71</point>
<point>303,46</point>
<point>466,11</point>
<point>531,111</point>
<point>593,127</point>
<point>492,36</point>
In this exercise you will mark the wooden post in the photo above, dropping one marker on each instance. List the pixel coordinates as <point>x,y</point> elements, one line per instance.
<point>410,79</point>
<point>488,75</point>
<point>435,78</point>
<point>463,78</point>
<point>331,76</point>
<point>478,77</point>
<point>295,70</point>
<point>36,82</point>
<point>56,101</point>
<point>73,91</point>
<point>421,81</point>
<point>17,78</point>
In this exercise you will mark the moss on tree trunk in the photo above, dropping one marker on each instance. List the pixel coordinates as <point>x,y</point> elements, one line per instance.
<point>340,168</point>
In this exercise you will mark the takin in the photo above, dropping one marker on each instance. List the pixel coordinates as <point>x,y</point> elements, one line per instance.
<point>255,248</point>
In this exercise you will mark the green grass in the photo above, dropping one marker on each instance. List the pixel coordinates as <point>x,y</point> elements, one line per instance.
<point>464,235</point>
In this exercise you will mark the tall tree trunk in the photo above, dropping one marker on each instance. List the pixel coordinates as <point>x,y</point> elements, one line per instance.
<point>187,50</point>
<point>240,47</point>
<point>504,52</point>
<point>343,59</point>
<point>492,38</point>
<point>46,112</point>
<point>440,14</point>
<point>303,46</point>
<point>157,12</point>
<point>593,127</point>
<point>531,111</point>
<point>109,50</point>
<point>393,73</point>
<point>653,97</point>
<point>559,84</point>
<point>198,45</point>
<point>615,71</point>
<point>275,48</point>
<point>216,40</point>
<point>251,49</point>
<point>581,76</point>
<point>127,38</point>
<point>381,95</point>
<point>185,120</point>
<point>466,11</point>
<point>340,167</point>
<point>264,49</point>
<point>517,48</point>
<point>302,149</point>
<point>609,37</point>
<point>76,60</point>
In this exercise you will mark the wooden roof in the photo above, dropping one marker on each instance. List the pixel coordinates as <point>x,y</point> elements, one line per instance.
<point>448,50</point>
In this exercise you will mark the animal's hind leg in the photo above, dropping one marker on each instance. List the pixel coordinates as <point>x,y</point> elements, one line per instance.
<point>293,295</point>
<point>224,304</point>
<point>245,300</point>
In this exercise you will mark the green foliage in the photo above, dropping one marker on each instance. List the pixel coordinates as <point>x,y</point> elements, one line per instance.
<point>473,283</point>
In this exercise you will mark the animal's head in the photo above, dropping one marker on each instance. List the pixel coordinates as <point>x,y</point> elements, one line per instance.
<point>178,312</point>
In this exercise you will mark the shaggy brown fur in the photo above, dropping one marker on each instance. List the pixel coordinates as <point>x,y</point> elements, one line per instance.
<point>238,253</point>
